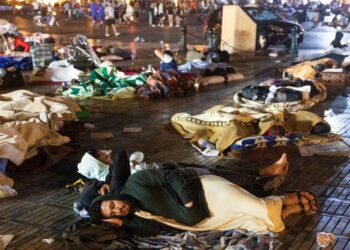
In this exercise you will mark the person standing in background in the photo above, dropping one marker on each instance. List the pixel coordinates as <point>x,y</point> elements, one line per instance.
<point>100,13</point>
<point>161,14</point>
<point>110,19</point>
<point>170,13</point>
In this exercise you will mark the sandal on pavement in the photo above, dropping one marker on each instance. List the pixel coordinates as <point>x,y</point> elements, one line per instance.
<point>300,195</point>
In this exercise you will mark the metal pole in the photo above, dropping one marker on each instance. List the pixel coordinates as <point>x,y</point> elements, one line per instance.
<point>293,42</point>
<point>184,39</point>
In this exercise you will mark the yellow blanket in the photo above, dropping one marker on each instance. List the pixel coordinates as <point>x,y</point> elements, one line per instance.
<point>223,126</point>
<point>231,207</point>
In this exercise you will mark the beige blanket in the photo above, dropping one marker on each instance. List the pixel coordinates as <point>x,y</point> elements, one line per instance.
<point>232,208</point>
<point>21,105</point>
<point>20,140</point>
<point>222,125</point>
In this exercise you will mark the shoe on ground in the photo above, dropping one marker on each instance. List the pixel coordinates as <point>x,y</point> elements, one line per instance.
<point>107,35</point>
<point>117,34</point>
<point>137,39</point>
<point>153,25</point>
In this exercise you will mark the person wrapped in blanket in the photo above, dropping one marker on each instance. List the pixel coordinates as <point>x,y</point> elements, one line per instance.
<point>151,201</point>
<point>280,91</point>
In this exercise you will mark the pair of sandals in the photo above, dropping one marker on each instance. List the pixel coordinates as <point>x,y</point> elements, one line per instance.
<point>310,211</point>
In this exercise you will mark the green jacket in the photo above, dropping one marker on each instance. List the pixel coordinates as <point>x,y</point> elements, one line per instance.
<point>164,192</point>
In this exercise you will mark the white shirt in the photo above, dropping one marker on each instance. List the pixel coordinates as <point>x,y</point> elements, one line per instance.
<point>109,12</point>
<point>160,9</point>
<point>129,10</point>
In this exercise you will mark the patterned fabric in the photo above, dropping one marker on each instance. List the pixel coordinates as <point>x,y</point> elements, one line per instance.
<point>223,126</point>
<point>265,142</point>
<point>231,239</point>
<point>281,106</point>
<point>106,82</point>
<point>20,63</point>
<point>42,55</point>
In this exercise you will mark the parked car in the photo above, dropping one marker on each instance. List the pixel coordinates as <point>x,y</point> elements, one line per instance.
<point>270,27</point>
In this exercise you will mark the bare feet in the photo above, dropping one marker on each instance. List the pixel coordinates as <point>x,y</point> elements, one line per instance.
<point>280,167</point>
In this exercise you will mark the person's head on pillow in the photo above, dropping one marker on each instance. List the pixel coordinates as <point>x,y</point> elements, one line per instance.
<point>103,155</point>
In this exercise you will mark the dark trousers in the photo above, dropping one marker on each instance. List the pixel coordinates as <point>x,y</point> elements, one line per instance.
<point>119,172</point>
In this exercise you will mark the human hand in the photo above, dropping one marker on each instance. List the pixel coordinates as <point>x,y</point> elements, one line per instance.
<point>115,221</point>
<point>189,204</point>
<point>104,189</point>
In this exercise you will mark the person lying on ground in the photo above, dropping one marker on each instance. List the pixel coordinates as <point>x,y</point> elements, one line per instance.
<point>111,175</point>
<point>15,44</point>
<point>167,60</point>
<point>152,201</point>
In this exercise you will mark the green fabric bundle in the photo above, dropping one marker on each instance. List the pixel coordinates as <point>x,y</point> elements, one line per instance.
<point>105,82</point>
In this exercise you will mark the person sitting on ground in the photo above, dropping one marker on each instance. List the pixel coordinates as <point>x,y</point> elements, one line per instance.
<point>152,201</point>
<point>336,43</point>
<point>167,60</point>
<point>15,43</point>
<point>97,164</point>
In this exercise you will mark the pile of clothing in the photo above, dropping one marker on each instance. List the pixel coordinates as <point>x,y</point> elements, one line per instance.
<point>278,95</point>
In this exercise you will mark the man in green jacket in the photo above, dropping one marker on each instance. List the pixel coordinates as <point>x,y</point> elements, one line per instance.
<point>178,195</point>
<point>175,194</point>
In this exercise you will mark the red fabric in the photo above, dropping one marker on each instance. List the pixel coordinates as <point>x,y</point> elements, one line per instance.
<point>23,44</point>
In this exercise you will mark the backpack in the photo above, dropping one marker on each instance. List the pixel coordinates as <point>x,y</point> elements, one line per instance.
<point>83,235</point>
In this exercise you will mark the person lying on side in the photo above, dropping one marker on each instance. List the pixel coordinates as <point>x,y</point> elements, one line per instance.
<point>97,164</point>
<point>151,201</point>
